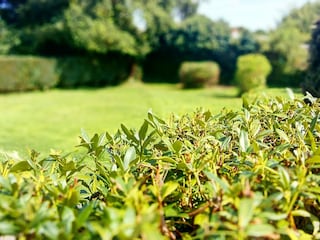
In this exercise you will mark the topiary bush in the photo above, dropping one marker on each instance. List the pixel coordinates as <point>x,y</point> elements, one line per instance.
<point>252,174</point>
<point>199,74</point>
<point>25,73</point>
<point>252,71</point>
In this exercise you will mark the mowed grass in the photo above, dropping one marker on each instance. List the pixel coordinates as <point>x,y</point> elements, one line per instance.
<point>53,119</point>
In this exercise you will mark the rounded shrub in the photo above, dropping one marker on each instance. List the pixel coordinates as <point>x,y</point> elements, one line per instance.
<point>252,71</point>
<point>199,74</point>
<point>25,73</point>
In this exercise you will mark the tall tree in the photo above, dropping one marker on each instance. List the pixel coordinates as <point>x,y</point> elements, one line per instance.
<point>312,81</point>
<point>288,45</point>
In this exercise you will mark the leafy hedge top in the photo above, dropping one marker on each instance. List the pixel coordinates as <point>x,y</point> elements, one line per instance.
<point>235,175</point>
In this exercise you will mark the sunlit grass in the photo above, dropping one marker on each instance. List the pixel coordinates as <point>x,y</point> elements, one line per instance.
<point>53,119</point>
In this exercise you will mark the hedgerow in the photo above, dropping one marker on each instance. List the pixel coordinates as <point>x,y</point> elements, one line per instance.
<point>25,73</point>
<point>252,174</point>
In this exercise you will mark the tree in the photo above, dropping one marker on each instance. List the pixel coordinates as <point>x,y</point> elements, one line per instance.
<point>288,56</point>
<point>288,45</point>
<point>94,28</point>
<point>7,38</point>
<point>199,33</point>
<point>312,81</point>
<point>37,25</point>
<point>302,18</point>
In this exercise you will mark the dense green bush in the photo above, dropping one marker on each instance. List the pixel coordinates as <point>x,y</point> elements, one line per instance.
<point>252,174</point>
<point>24,73</point>
<point>199,74</point>
<point>252,72</point>
<point>93,71</point>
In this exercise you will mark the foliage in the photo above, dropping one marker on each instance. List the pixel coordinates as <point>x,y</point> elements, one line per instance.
<point>7,38</point>
<point>93,28</point>
<point>197,38</point>
<point>302,18</point>
<point>199,74</point>
<point>93,71</point>
<point>252,72</point>
<point>236,175</point>
<point>32,12</point>
<point>20,73</point>
<point>38,26</point>
<point>288,56</point>
<point>199,33</point>
<point>288,50</point>
<point>312,81</point>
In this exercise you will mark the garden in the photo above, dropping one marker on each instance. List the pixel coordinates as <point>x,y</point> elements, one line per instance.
<point>111,131</point>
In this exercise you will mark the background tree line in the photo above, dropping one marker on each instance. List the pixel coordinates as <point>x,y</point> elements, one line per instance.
<point>156,36</point>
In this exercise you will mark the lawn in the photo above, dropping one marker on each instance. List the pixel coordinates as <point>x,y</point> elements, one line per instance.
<point>53,119</point>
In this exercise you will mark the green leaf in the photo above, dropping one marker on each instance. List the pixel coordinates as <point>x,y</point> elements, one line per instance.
<point>314,122</point>
<point>245,212</point>
<point>171,211</point>
<point>129,157</point>
<point>85,136</point>
<point>177,146</point>
<point>283,135</point>
<point>284,177</point>
<point>49,229</point>
<point>313,160</point>
<point>8,228</point>
<point>300,213</point>
<point>168,188</point>
<point>129,220</point>
<point>143,130</point>
<point>5,183</point>
<point>102,139</point>
<point>129,134</point>
<point>84,215</point>
<point>244,140</point>
<point>201,219</point>
<point>213,177</point>
<point>67,219</point>
<point>273,216</point>
<point>260,230</point>
<point>20,166</point>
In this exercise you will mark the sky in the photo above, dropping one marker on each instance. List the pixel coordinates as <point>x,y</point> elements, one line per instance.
<point>252,14</point>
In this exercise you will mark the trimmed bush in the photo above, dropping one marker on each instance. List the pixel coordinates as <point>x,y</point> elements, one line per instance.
<point>93,71</point>
<point>25,73</point>
<point>199,74</point>
<point>251,174</point>
<point>252,72</point>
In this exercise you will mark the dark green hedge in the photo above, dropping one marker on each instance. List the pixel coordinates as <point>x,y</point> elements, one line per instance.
<point>25,73</point>
<point>93,71</point>
<point>199,74</point>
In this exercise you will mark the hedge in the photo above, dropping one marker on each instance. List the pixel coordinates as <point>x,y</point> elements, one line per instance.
<point>252,174</point>
<point>93,71</point>
<point>252,71</point>
<point>199,74</point>
<point>24,73</point>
